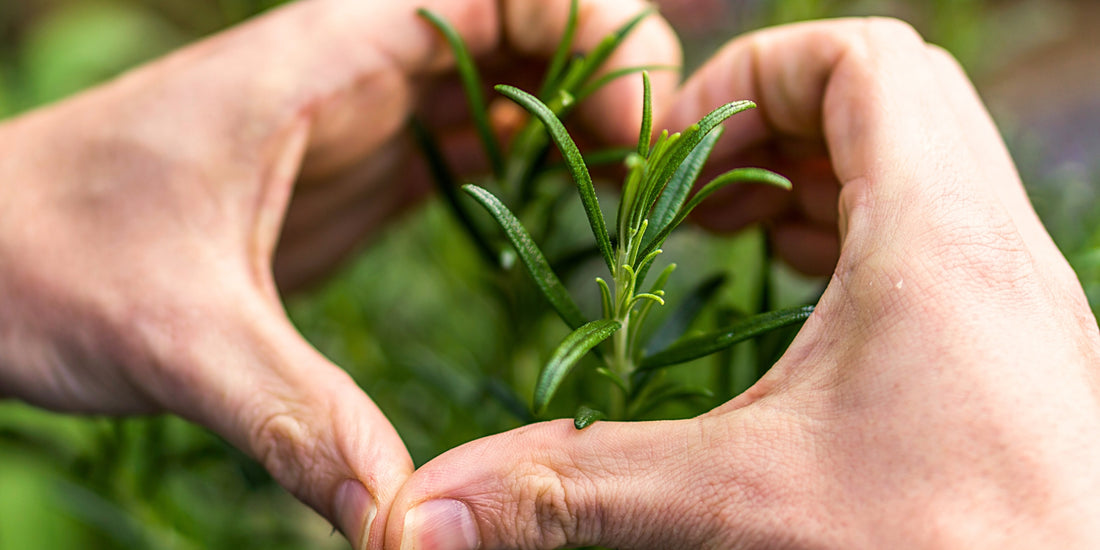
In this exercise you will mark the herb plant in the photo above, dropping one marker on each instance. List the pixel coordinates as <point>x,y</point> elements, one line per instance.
<point>656,197</point>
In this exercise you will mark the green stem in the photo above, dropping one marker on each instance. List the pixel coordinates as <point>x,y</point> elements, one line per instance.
<point>622,362</point>
<point>622,366</point>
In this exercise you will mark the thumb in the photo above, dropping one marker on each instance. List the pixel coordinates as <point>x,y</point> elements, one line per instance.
<point>620,485</point>
<point>255,381</point>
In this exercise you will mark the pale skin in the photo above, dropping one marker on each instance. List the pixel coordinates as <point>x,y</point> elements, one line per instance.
<point>139,223</point>
<point>944,394</point>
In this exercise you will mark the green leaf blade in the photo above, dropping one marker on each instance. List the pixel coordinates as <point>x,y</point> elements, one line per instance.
<point>677,189</point>
<point>472,84</point>
<point>531,256</point>
<point>447,184</point>
<point>737,175</point>
<point>645,135</point>
<point>561,55</point>
<point>701,346</point>
<point>574,160</point>
<point>690,139</point>
<point>587,416</point>
<point>600,54</point>
<point>565,357</point>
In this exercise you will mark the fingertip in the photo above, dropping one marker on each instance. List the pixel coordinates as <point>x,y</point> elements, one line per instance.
<point>535,27</point>
<point>355,512</point>
<point>485,480</point>
<point>615,111</point>
<point>442,524</point>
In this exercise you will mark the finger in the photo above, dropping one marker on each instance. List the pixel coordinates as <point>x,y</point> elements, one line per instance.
<point>353,79</point>
<point>910,178</point>
<point>620,485</point>
<point>535,27</point>
<point>247,374</point>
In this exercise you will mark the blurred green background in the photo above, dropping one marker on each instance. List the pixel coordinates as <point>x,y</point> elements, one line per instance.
<point>413,318</point>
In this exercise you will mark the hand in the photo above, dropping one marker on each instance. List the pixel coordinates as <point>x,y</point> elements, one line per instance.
<point>943,394</point>
<point>138,223</point>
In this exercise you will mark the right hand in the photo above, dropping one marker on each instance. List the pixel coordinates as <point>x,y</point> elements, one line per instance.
<point>944,394</point>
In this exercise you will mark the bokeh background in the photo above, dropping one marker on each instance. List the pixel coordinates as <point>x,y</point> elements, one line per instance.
<point>412,317</point>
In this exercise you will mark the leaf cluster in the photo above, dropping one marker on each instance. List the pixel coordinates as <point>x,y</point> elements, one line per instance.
<point>656,198</point>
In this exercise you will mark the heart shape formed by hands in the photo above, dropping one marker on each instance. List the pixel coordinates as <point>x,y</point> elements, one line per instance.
<point>137,277</point>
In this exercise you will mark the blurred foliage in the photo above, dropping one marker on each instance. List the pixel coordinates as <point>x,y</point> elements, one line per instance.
<point>415,319</point>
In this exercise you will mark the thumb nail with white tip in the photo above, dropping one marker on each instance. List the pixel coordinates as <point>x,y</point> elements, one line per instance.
<point>355,511</point>
<point>440,525</point>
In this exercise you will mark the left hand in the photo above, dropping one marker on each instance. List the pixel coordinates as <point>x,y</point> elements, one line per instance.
<point>139,222</point>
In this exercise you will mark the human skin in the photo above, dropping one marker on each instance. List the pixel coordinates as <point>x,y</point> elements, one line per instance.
<point>139,222</point>
<point>944,393</point>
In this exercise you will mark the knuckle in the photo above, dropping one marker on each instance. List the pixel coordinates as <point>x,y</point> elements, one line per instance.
<point>549,499</point>
<point>281,442</point>
<point>940,55</point>
<point>889,30</point>
<point>869,38</point>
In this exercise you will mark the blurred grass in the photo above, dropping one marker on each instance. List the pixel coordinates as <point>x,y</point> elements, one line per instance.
<point>414,318</point>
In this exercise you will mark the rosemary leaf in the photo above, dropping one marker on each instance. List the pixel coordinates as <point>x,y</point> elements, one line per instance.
<point>575,345</point>
<point>701,346</point>
<point>532,257</point>
<point>573,158</point>
<point>471,82</point>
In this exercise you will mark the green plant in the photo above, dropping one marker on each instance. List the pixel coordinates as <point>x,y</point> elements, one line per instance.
<point>655,199</point>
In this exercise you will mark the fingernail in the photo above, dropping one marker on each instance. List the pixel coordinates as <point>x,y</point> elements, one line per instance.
<point>440,525</point>
<point>355,510</point>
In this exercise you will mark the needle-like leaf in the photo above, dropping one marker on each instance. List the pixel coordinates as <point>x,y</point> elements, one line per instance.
<point>561,55</point>
<point>573,158</point>
<point>689,140</point>
<point>646,133</point>
<point>471,82</point>
<point>595,59</point>
<point>604,80</point>
<point>575,345</point>
<point>670,392</point>
<point>701,346</point>
<point>444,179</point>
<point>643,310</point>
<point>614,378</point>
<point>677,189</point>
<point>738,175</point>
<point>605,298</point>
<point>586,417</point>
<point>532,257</point>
